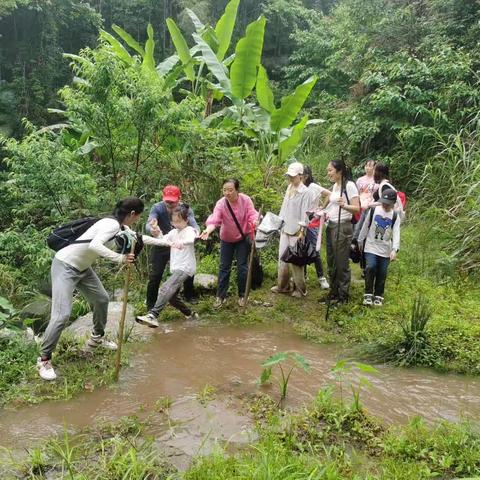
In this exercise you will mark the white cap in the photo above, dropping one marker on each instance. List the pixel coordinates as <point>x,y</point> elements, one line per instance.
<point>294,169</point>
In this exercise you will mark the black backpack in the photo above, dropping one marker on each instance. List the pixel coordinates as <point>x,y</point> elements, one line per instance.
<point>67,234</point>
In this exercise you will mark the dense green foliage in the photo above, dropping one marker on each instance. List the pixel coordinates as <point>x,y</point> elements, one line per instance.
<point>103,99</point>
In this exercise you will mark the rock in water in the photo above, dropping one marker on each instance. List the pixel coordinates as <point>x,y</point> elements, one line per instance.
<point>82,326</point>
<point>205,281</point>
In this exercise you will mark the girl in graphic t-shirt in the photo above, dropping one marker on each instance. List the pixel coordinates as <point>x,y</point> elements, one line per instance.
<point>380,239</point>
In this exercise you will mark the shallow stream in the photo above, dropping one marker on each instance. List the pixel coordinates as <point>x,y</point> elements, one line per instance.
<point>183,357</point>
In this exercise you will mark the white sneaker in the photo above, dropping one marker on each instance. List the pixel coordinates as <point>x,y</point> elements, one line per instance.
<point>96,341</point>
<point>149,320</point>
<point>378,302</point>
<point>368,299</point>
<point>324,285</point>
<point>45,369</point>
<point>219,302</point>
<point>192,317</point>
<point>241,302</point>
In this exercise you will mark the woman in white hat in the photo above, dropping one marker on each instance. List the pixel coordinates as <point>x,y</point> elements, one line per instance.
<point>293,212</point>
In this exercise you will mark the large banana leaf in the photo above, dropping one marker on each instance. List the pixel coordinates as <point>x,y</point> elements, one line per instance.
<point>118,48</point>
<point>264,92</point>
<point>248,53</point>
<point>148,59</point>
<point>218,70</point>
<point>128,39</point>
<point>288,146</point>
<point>291,106</point>
<point>167,65</point>
<point>78,58</point>
<point>197,23</point>
<point>182,48</point>
<point>205,31</point>
<point>224,28</point>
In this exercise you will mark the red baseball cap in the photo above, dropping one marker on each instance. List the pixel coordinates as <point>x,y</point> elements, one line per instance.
<point>171,193</point>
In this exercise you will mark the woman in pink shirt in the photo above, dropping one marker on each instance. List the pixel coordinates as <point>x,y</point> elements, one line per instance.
<point>366,185</point>
<point>236,216</point>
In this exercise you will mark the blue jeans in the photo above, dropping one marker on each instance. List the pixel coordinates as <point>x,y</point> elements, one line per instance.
<point>375,274</point>
<point>241,250</point>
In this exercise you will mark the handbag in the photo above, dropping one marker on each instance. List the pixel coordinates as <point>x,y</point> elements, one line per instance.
<point>301,254</point>
<point>257,269</point>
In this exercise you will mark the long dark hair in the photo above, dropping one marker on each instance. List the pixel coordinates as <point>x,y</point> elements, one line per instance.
<point>127,205</point>
<point>340,166</point>
<point>381,172</point>
<point>308,175</point>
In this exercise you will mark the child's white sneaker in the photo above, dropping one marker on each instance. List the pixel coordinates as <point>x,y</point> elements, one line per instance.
<point>324,285</point>
<point>149,320</point>
<point>96,341</point>
<point>368,299</point>
<point>45,369</point>
<point>378,302</point>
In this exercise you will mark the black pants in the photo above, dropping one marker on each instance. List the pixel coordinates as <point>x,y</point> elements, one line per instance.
<point>241,250</point>
<point>338,258</point>
<point>311,237</point>
<point>159,258</point>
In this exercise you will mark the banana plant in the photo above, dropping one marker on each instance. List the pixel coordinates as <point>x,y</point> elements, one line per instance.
<point>273,127</point>
<point>145,59</point>
<point>218,38</point>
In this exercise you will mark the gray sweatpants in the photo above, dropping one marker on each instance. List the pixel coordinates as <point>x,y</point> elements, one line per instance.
<point>65,279</point>
<point>168,293</point>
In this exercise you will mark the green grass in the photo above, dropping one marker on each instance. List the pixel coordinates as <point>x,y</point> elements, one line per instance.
<point>329,440</point>
<point>77,371</point>
<point>109,452</point>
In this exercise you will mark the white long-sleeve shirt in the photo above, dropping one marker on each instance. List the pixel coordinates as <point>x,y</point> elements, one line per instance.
<point>294,207</point>
<point>102,234</point>
<point>182,259</point>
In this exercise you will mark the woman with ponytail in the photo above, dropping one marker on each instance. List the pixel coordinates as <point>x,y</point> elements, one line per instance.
<point>343,203</point>
<point>72,269</point>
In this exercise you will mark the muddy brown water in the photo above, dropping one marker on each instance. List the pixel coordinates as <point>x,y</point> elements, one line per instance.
<point>182,358</point>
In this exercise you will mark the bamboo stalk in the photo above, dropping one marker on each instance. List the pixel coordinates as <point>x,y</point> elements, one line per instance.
<point>250,265</point>
<point>118,358</point>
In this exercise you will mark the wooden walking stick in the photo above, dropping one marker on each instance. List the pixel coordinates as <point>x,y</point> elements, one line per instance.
<point>121,329</point>
<point>250,267</point>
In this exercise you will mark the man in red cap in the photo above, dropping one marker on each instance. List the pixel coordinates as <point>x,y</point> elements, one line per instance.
<point>160,220</point>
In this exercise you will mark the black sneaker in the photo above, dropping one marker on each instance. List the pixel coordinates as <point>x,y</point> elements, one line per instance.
<point>192,300</point>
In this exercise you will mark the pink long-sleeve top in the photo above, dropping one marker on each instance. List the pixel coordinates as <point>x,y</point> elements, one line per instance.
<point>245,213</point>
